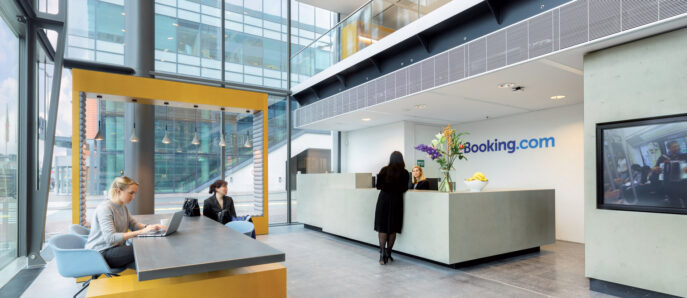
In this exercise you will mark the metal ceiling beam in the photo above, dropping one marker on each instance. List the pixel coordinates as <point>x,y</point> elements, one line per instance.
<point>495,8</point>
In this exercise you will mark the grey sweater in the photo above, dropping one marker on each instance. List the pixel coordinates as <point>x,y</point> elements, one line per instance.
<point>110,222</point>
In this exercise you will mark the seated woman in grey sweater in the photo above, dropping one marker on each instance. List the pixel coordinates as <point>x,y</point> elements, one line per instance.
<point>111,222</point>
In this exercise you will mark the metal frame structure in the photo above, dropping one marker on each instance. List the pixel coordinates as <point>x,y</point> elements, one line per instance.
<point>31,26</point>
<point>34,184</point>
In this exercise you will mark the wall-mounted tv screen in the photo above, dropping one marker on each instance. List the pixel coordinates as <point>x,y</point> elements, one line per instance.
<point>641,164</point>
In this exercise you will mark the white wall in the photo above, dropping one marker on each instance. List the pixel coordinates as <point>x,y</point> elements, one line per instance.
<point>559,167</point>
<point>368,150</point>
<point>641,79</point>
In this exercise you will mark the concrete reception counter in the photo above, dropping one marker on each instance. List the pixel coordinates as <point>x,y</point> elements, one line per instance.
<point>448,228</point>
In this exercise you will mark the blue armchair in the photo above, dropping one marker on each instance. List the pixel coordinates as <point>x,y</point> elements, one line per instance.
<point>80,231</point>
<point>73,260</point>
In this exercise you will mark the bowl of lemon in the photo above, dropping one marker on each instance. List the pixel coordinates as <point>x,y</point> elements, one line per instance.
<point>477,182</point>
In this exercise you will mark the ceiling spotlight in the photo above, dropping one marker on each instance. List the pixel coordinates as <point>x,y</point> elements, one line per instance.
<point>420,106</point>
<point>506,85</point>
<point>518,89</point>
<point>366,119</point>
<point>556,97</point>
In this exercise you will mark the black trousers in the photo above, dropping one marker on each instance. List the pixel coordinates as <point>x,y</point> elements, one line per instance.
<point>119,256</point>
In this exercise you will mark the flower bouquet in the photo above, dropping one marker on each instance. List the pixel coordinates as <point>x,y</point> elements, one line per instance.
<point>446,147</point>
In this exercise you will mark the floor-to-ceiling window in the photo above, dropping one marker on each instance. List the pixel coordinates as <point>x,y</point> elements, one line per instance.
<point>9,105</point>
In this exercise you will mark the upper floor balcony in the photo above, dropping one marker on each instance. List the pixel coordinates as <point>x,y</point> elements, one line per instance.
<point>374,27</point>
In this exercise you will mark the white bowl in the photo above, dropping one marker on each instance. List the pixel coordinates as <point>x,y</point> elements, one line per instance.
<point>476,185</point>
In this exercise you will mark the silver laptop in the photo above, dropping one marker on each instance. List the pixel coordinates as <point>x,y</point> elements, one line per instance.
<point>173,226</point>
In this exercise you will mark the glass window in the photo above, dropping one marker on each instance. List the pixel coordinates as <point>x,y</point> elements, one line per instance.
<point>58,217</point>
<point>96,30</point>
<point>9,104</point>
<point>189,43</point>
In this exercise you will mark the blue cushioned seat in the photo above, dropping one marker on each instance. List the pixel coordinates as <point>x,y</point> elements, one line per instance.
<point>244,227</point>
<point>80,231</point>
<point>73,260</point>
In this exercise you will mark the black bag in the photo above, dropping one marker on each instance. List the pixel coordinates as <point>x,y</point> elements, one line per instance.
<point>191,207</point>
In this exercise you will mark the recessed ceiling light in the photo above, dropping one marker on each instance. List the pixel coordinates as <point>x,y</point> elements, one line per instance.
<point>366,119</point>
<point>175,24</point>
<point>518,89</point>
<point>124,13</point>
<point>170,38</point>
<point>556,97</point>
<point>506,85</point>
<point>420,106</point>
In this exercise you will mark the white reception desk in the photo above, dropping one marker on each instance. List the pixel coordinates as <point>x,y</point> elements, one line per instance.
<point>449,228</point>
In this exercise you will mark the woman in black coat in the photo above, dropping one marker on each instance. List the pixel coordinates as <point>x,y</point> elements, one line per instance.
<point>219,207</point>
<point>392,181</point>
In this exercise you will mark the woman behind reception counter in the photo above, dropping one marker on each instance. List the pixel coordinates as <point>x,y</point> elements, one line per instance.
<point>392,181</point>
<point>419,181</point>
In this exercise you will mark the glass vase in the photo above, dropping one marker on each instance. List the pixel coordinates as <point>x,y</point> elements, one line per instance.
<point>446,184</point>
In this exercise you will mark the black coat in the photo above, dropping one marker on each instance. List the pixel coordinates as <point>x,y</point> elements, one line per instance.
<point>389,210</point>
<point>212,210</point>
<point>424,184</point>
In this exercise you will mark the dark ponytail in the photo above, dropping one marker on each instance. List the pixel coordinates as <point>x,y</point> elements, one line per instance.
<point>217,184</point>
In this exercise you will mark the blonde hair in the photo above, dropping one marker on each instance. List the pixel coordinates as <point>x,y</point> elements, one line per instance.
<point>422,175</point>
<point>120,183</point>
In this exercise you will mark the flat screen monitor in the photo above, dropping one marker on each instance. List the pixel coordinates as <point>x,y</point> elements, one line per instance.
<point>641,164</point>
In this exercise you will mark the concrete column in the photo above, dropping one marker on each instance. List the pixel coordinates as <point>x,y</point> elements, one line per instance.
<point>139,54</point>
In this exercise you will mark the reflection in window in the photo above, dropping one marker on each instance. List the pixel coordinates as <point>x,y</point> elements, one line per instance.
<point>9,100</point>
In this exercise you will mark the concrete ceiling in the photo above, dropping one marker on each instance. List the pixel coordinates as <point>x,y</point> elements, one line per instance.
<point>477,98</point>
<point>342,7</point>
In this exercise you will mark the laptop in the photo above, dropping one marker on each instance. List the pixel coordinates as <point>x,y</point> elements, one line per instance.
<point>173,226</point>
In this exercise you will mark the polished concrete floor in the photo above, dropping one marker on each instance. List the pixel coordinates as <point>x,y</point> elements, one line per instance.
<point>321,265</point>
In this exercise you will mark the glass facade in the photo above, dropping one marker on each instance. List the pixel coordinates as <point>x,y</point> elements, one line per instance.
<point>96,31</point>
<point>59,215</point>
<point>188,38</point>
<point>182,169</point>
<point>9,103</point>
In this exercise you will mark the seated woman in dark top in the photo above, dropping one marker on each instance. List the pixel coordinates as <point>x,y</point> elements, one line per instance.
<point>219,207</point>
<point>419,181</point>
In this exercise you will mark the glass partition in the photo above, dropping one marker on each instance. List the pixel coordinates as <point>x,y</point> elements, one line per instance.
<point>370,23</point>
<point>9,104</point>
<point>183,168</point>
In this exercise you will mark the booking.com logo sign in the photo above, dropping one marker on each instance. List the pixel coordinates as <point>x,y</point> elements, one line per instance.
<point>510,146</point>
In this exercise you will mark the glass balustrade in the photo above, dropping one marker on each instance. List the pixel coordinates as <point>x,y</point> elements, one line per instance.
<point>367,25</point>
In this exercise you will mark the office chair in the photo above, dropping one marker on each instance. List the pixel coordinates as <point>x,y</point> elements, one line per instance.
<point>73,260</point>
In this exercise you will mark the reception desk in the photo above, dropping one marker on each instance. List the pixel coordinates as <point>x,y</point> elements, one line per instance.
<point>449,228</point>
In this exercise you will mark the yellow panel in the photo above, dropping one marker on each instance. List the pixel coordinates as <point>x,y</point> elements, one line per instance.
<point>125,272</point>
<point>349,40</point>
<point>155,89</point>
<point>267,280</point>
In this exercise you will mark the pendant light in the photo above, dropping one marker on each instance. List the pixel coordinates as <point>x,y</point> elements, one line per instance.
<point>134,138</point>
<point>99,135</point>
<point>222,142</point>
<point>165,139</point>
<point>248,143</point>
<point>195,140</point>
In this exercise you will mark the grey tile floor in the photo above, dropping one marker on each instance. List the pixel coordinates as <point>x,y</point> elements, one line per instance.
<point>322,265</point>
